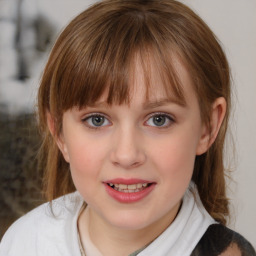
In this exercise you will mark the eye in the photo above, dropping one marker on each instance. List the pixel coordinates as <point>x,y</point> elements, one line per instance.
<point>160,120</point>
<point>96,121</point>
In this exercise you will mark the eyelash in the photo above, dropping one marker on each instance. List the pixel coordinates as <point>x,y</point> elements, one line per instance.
<point>167,117</point>
<point>86,122</point>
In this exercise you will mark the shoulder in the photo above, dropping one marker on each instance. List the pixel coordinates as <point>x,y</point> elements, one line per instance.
<point>222,241</point>
<point>44,225</point>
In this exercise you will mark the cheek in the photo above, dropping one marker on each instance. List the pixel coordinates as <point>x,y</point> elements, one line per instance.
<point>86,160</point>
<point>86,156</point>
<point>176,156</point>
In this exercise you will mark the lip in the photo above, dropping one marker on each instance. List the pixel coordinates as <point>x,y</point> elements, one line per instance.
<point>127,181</point>
<point>123,197</point>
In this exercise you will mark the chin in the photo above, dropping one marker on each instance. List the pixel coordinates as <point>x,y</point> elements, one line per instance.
<point>130,221</point>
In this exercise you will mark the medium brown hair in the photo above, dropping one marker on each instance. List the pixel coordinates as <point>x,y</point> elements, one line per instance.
<point>95,53</point>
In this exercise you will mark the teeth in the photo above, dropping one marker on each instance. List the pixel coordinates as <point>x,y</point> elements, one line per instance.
<point>132,188</point>
<point>139,185</point>
<point>122,186</point>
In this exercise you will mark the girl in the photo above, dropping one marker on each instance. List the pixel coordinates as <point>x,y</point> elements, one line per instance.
<point>133,107</point>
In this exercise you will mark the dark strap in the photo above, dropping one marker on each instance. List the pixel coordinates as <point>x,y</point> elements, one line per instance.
<point>218,238</point>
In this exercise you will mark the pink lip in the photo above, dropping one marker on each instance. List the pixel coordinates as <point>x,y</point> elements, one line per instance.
<point>123,197</point>
<point>127,181</point>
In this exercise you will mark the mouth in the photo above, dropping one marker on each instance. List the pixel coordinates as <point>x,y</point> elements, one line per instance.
<point>129,188</point>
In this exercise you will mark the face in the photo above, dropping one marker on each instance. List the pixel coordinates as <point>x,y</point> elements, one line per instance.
<point>133,163</point>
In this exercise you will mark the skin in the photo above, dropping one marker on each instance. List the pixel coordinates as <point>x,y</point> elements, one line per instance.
<point>129,144</point>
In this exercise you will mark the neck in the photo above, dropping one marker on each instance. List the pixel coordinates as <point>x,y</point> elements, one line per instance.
<point>111,240</point>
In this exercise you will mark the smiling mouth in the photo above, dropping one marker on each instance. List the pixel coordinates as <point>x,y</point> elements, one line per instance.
<point>131,188</point>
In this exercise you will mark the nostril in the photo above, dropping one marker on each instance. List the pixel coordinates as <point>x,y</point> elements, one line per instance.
<point>135,164</point>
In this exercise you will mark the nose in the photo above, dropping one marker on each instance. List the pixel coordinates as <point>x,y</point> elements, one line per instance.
<point>127,149</point>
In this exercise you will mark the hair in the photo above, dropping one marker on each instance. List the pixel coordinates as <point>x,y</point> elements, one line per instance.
<point>94,54</point>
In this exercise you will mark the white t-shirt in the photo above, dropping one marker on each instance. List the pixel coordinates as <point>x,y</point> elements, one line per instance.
<point>52,231</point>
<point>45,230</point>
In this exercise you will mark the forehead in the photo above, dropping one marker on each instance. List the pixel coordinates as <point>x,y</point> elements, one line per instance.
<point>145,71</point>
<point>149,79</point>
<point>149,85</point>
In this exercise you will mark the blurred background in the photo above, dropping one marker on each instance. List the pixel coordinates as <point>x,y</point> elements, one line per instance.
<point>28,29</point>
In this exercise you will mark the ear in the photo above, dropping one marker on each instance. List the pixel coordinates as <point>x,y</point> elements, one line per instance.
<point>209,134</point>
<point>59,139</point>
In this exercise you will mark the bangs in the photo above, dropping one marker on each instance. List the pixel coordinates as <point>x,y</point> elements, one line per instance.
<point>100,58</point>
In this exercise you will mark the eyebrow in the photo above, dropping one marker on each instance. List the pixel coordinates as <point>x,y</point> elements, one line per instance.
<point>162,102</point>
<point>99,104</point>
<point>147,104</point>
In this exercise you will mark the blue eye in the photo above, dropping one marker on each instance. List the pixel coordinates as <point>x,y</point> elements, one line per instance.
<point>96,121</point>
<point>160,120</point>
